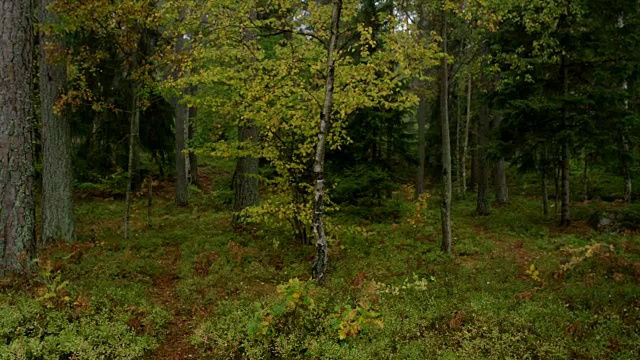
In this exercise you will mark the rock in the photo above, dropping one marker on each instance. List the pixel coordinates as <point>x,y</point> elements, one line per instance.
<point>607,221</point>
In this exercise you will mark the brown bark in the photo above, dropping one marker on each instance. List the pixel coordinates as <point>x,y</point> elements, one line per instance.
<point>134,135</point>
<point>445,206</point>
<point>322,251</point>
<point>499,173</point>
<point>17,207</point>
<point>483,206</point>
<point>246,176</point>
<point>182,185</point>
<point>465,147</point>
<point>421,115</point>
<point>565,214</point>
<point>193,158</point>
<point>57,173</point>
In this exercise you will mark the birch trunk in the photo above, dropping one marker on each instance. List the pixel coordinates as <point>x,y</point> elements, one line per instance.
<point>320,261</point>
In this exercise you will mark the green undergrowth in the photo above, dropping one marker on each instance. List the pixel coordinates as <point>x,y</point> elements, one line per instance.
<point>517,286</point>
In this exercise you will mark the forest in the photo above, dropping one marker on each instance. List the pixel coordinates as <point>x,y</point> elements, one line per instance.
<point>319,179</point>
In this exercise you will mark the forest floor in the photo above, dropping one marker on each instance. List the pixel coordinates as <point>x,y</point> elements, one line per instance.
<point>186,285</point>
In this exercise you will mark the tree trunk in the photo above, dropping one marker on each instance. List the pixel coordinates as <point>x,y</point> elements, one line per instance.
<point>246,177</point>
<point>628,189</point>
<point>585,180</point>
<point>545,192</point>
<point>134,134</point>
<point>457,149</point>
<point>475,162</point>
<point>565,214</point>
<point>193,158</point>
<point>423,110</point>
<point>445,207</point>
<point>483,207</point>
<point>500,177</point>
<point>57,172</point>
<point>556,199</point>
<point>322,251</point>
<point>465,148</point>
<point>182,183</point>
<point>17,207</point>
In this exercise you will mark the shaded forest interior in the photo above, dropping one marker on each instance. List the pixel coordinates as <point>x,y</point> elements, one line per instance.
<point>330,179</point>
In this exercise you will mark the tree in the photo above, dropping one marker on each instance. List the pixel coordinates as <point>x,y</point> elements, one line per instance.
<point>445,208</point>
<point>57,173</point>
<point>17,207</point>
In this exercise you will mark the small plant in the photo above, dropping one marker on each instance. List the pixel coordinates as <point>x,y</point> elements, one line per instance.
<point>53,292</point>
<point>349,322</point>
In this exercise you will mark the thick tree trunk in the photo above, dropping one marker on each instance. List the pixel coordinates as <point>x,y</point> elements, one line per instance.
<point>17,207</point>
<point>475,162</point>
<point>57,173</point>
<point>483,206</point>
<point>465,147</point>
<point>246,177</point>
<point>499,174</point>
<point>322,251</point>
<point>182,183</point>
<point>422,142</point>
<point>445,207</point>
<point>134,136</point>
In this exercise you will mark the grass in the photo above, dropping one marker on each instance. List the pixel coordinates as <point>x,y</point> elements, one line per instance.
<point>186,284</point>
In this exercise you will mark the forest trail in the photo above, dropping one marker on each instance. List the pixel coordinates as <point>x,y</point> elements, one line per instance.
<point>176,345</point>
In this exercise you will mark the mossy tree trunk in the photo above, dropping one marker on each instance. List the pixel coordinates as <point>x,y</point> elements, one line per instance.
<point>57,173</point>
<point>17,206</point>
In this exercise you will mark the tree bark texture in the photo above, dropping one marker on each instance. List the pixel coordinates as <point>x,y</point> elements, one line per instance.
<point>565,214</point>
<point>422,143</point>
<point>544,174</point>
<point>193,158</point>
<point>246,176</point>
<point>628,182</point>
<point>465,147</point>
<point>445,207</point>
<point>17,207</point>
<point>483,206</point>
<point>134,139</point>
<point>57,174</point>
<point>182,184</point>
<point>499,173</point>
<point>322,251</point>
<point>456,152</point>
